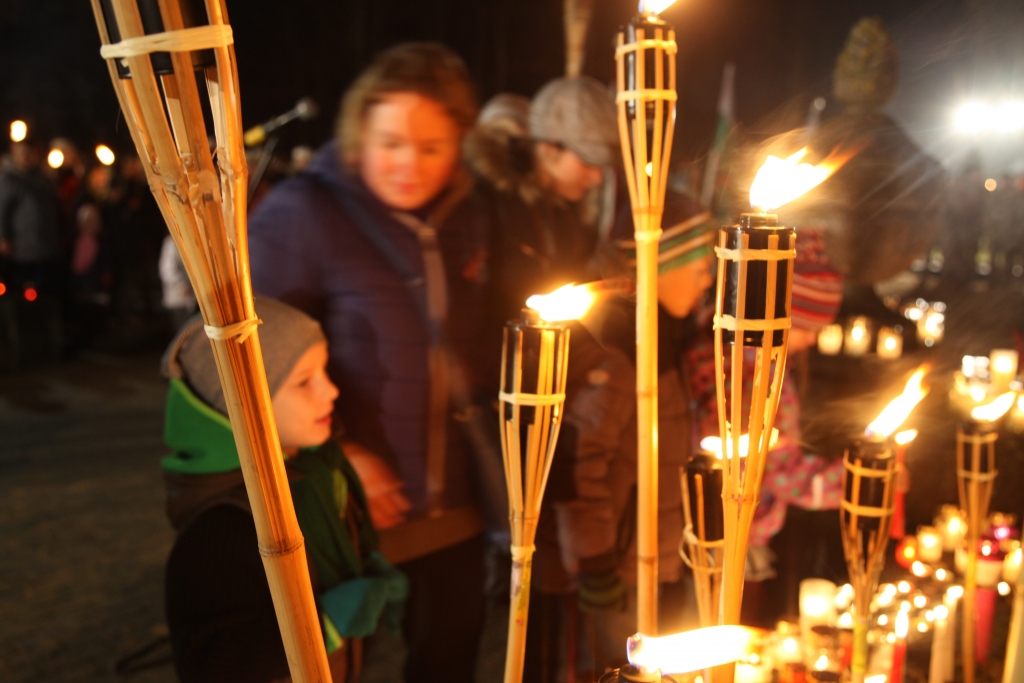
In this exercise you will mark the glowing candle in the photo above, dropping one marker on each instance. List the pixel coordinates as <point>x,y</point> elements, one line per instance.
<point>858,337</point>
<point>899,653</point>
<point>890,343</point>
<point>830,340</point>
<point>817,604</point>
<point>1012,564</point>
<point>932,327</point>
<point>952,527</point>
<point>1003,367</point>
<point>929,544</point>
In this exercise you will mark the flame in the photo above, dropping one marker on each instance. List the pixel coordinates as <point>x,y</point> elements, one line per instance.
<point>780,181</point>
<point>655,6</point>
<point>903,438</point>
<point>902,624</point>
<point>695,650</point>
<point>565,303</point>
<point>990,412</point>
<point>713,444</point>
<point>889,420</point>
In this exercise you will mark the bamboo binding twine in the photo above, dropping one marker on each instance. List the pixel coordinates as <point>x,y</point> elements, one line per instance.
<point>646,83</point>
<point>202,196</point>
<point>869,491</point>
<point>534,362</point>
<point>703,541</point>
<point>752,310</point>
<point>976,475</point>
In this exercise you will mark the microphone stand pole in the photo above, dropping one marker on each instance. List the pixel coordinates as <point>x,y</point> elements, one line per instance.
<point>265,156</point>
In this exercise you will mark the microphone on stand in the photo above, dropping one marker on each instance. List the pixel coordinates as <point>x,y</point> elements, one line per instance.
<point>305,109</point>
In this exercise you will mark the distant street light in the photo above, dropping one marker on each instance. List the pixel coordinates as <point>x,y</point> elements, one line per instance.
<point>991,184</point>
<point>105,155</point>
<point>55,158</point>
<point>19,130</point>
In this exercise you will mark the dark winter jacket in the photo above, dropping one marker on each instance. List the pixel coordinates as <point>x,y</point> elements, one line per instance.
<point>308,249</point>
<point>30,216</point>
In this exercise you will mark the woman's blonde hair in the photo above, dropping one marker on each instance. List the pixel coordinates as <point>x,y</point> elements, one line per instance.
<point>427,69</point>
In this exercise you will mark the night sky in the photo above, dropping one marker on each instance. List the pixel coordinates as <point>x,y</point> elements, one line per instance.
<point>784,50</point>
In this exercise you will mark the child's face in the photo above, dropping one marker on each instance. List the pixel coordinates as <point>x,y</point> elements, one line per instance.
<point>304,402</point>
<point>681,290</point>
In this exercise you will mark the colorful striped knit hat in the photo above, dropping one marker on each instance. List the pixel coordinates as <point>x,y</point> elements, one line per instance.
<point>687,234</point>
<point>817,285</point>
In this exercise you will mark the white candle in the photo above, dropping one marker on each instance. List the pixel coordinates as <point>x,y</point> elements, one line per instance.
<point>988,572</point>
<point>932,327</point>
<point>830,340</point>
<point>1003,366</point>
<point>1012,564</point>
<point>890,343</point>
<point>942,640</point>
<point>929,544</point>
<point>858,337</point>
<point>817,604</point>
<point>952,527</point>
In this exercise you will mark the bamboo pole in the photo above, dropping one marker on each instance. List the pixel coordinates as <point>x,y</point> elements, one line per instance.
<point>204,207</point>
<point>646,112</point>
<point>869,486</point>
<point>534,363</point>
<point>702,543</point>
<point>976,473</point>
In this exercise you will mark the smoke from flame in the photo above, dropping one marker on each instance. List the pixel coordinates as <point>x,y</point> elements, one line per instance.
<point>780,181</point>
<point>565,303</point>
<point>889,420</point>
<point>990,412</point>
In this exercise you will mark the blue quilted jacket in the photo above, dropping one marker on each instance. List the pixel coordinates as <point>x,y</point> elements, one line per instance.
<point>306,250</point>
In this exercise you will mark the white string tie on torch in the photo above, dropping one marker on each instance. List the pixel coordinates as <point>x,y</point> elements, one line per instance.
<point>729,322</point>
<point>239,331</point>
<point>755,254</point>
<point>521,553</point>
<point>532,399</point>
<point>182,40</point>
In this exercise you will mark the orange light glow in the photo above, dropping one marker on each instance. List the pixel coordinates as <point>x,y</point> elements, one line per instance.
<point>903,438</point>
<point>780,181</point>
<point>889,420</point>
<point>695,650</point>
<point>565,303</point>
<point>713,444</point>
<point>990,412</point>
<point>3,289</point>
<point>31,294</point>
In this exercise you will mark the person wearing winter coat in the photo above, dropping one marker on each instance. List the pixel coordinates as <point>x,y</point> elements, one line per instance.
<point>378,240</point>
<point>586,543</point>
<point>219,608</point>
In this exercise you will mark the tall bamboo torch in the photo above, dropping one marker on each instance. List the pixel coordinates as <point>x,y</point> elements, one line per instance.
<point>645,61</point>
<point>976,474</point>
<point>534,362</point>
<point>169,60</point>
<point>869,487</point>
<point>752,311</point>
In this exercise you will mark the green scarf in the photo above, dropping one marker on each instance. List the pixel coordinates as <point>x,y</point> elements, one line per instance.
<point>359,585</point>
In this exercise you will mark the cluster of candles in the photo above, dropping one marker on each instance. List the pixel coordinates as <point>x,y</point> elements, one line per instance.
<point>982,378</point>
<point>855,339</point>
<point>930,317</point>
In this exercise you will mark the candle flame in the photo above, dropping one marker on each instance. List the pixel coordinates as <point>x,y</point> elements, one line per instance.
<point>695,650</point>
<point>877,678</point>
<point>990,412</point>
<point>780,181</point>
<point>905,437</point>
<point>655,6</point>
<point>713,444</point>
<point>902,624</point>
<point>565,303</point>
<point>889,420</point>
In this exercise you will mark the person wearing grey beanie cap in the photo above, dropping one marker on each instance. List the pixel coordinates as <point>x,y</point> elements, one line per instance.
<point>577,114</point>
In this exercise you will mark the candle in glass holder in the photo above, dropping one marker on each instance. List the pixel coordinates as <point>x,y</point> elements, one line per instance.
<point>830,340</point>
<point>890,343</point>
<point>858,336</point>
<point>817,604</point>
<point>1012,564</point>
<point>952,527</point>
<point>1003,368</point>
<point>929,544</point>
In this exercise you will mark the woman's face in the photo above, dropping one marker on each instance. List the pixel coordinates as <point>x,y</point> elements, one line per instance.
<point>409,151</point>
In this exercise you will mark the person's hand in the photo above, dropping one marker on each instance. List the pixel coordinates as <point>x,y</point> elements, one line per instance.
<point>5,247</point>
<point>388,504</point>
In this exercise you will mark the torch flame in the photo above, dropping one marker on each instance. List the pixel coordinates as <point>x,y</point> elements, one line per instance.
<point>713,444</point>
<point>903,438</point>
<point>780,181</point>
<point>695,650</point>
<point>655,6</point>
<point>565,303</point>
<point>889,420</point>
<point>990,412</point>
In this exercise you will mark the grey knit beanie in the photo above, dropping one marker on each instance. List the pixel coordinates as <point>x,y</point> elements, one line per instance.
<point>579,114</point>
<point>286,334</point>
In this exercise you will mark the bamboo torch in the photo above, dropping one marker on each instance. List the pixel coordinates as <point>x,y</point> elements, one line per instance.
<point>703,536</point>
<point>645,61</point>
<point>169,60</point>
<point>869,488</point>
<point>534,362</point>
<point>976,474</point>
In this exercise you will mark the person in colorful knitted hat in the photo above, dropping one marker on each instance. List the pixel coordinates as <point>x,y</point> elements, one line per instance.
<point>817,289</point>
